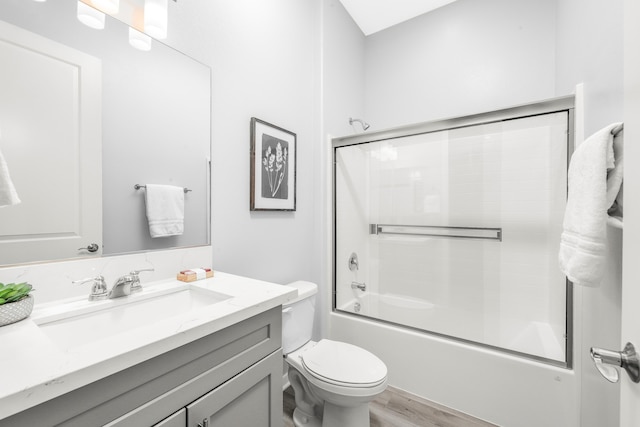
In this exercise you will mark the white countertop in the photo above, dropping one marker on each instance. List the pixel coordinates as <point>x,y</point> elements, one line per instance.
<point>35,369</point>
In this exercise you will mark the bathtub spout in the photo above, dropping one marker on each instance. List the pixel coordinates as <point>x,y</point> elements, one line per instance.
<point>361,286</point>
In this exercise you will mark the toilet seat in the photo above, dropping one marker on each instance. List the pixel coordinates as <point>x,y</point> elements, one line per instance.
<point>344,364</point>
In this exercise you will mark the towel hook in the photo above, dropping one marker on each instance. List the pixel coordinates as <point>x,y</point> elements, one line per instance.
<point>139,186</point>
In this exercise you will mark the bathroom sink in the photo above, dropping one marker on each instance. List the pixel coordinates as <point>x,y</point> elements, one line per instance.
<point>81,323</point>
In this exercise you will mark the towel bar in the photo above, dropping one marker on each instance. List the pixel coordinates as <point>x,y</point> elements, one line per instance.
<point>139,186</point>
<point>616,130</point>
<point>438,231</point>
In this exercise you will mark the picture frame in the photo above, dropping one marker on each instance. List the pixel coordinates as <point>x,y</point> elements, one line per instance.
<point>273,167</point>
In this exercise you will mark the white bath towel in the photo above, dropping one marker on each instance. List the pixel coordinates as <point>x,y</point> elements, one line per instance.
<point>595,177</point>
<point>8,194</point>
<point>165,210</point>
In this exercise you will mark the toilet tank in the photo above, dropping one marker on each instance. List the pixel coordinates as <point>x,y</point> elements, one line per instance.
<point>297,317</point>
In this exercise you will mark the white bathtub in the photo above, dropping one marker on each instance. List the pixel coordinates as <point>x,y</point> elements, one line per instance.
<point>498,387</point>
<point>534,338</point>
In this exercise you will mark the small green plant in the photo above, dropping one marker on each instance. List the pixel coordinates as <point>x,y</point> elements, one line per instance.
<point>14,292</point>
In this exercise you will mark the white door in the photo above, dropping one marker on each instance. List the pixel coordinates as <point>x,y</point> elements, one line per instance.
<point>50,116</point>
<point>630,391</point>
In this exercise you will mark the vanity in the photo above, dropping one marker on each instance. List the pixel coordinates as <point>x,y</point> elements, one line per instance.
<point>214,359</point>
<point>174,354</point>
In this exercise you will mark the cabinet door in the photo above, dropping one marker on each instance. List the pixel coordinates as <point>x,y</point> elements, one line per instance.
<point>178,419</point>
<point>252,398</point>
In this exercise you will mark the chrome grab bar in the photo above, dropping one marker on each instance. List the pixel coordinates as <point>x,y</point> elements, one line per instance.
<point>438,231</point>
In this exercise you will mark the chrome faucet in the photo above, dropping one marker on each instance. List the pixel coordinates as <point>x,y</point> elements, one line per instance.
<point>125,285</point>
<point>357,285</point>
<point>122,287</point>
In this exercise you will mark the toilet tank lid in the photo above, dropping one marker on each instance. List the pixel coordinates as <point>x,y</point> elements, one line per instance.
<point>305,290</point>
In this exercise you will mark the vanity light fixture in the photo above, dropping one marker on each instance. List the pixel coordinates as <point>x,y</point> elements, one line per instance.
<point>89,16</point>
<point>156,14</point>
<point>107,6</point>
<point>139,40</point>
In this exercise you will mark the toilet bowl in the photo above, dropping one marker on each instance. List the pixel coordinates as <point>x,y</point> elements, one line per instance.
<point>333,381</point>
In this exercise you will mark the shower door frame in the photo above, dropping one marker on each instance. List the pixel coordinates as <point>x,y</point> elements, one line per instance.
<point>550,106</point>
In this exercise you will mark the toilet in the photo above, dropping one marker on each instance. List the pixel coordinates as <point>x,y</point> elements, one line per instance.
<point>333,381</point>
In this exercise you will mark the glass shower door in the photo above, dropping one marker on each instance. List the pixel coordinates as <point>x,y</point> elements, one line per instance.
<point>457,233</point>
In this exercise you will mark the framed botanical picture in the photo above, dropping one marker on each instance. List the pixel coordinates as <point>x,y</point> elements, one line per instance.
<point>273,167</point>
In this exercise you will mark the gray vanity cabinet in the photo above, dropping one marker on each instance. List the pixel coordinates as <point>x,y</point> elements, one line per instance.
<point>253,398</point>
<point>179,419</point>
<point>229,378</point>
<point>244,401</point>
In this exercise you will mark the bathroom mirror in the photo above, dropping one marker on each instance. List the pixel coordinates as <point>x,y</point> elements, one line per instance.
<point>153,124</point>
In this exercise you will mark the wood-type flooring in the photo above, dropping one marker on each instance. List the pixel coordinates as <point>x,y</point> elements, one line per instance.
<point>397,408</point>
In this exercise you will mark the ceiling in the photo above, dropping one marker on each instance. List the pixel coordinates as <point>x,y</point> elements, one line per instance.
<point>375,15</point>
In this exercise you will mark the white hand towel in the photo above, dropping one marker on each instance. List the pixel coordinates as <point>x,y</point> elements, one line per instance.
<point>165,210</point>
<point>8,194</point>
<point>595,176</point>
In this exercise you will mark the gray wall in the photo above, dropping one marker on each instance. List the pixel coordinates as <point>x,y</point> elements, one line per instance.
<point>467,57</point>
<point>264,58</point>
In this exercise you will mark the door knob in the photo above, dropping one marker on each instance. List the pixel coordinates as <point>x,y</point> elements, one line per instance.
<point>607,362</point>
<point>93,247</point>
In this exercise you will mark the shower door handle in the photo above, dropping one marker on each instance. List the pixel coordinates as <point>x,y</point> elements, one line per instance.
<point>607,362</point>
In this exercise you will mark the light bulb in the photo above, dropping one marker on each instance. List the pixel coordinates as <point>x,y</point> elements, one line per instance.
<point>90,17</point>
<point>107,6</point>
<point>139,40</point>
<point>156,18</point>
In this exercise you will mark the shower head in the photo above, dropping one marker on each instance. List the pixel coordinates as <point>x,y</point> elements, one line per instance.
<point>364,124</point>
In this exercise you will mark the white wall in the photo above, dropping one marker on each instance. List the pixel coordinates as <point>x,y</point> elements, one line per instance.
<point>52,281</point>
<point>343,70</point>
<point>467,57</point>
<point>264,58</point>
<point>474,56</point>
<point>590,51</point>
<point>343,87</point>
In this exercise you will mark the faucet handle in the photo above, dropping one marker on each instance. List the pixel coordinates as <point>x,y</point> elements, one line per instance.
<point>136,272</point>
<point>135,284</point>
<point>98,289</point>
